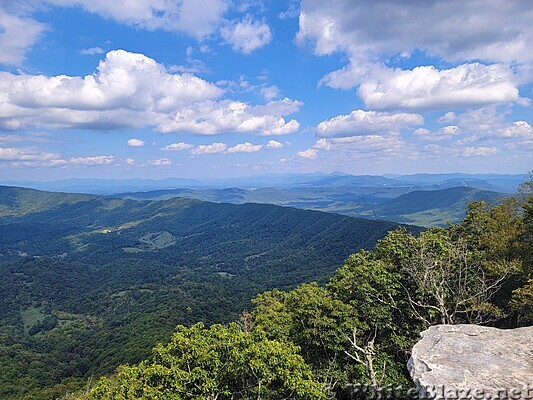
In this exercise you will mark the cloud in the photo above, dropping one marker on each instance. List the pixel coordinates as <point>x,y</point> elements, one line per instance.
<point>479,151</point>
<point>130,90</point>
<point>160,162</point>
<point>270,92</point>
<point>135,142</point>
<point>360,122</point>
<point>292,10</point>
<point>94,160</point>
<point>427,87</point>
<point>487,123</point>
<point>10,139</point>
<point>123,80</point>
<point>374,34</point>
<point>460,151</point>
<point>212,148</point>
<point>453,30</point>
<point>228,116</point>
<point>445,133</point>
<point>517,129</point>
<point>92,51</point>
<point>17,34</point>
<point>246,147</point>
<point>274,144</point>
<point>177,146</point>
<point>308,154</point>
<point>247,35</point>
<point>195,18</point>
<point>129,161</point>
<point>520,148</point>
<point>19,31</point>
<point>29,156</point>
<point>368,145</point>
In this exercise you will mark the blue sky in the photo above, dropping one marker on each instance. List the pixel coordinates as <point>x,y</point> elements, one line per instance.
<point>216,88</point>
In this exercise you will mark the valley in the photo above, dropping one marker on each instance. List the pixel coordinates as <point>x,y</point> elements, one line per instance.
<point>91,282</point>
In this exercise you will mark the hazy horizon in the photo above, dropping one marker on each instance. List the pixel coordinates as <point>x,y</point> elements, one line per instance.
<point>258,175</point>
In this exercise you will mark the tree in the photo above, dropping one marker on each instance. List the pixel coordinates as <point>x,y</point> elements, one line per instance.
<point>215,363</point>
<point>522,303</point>
<point>371,285</point>
<point>451,284</point>
<point>312,319</point>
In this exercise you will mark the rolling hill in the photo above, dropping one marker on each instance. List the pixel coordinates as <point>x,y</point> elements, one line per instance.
<point>91,282</point>
<point>435,205</point>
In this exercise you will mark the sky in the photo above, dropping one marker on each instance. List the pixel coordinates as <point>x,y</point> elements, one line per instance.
<point>221,88</point>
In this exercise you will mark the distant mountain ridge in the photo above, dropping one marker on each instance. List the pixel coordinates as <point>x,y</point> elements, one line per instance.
<point>430,207</point>
<point>354,195</point>
<point>36,223</point>
<point>497,182</point>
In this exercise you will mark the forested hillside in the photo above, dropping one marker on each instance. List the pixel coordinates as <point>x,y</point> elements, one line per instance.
<point>351,338</point>
<point>91,282</point>
<point>433,207</point>
<point>420,205</point>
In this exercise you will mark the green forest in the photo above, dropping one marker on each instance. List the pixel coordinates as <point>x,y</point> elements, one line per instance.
<point>320,341</point>
<point>116,287</point>
<point>89,283</point>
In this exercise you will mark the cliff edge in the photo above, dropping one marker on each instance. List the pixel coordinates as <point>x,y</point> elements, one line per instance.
<point>473,362</point>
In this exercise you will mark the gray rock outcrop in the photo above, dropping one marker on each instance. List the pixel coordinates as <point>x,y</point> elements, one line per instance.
<point>473,362</point>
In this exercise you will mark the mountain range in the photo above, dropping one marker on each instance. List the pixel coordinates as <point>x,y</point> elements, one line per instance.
<point>420,199</point>
<point>90,282</point>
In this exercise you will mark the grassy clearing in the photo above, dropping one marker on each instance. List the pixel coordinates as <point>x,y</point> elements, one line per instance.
<point>32,316</point>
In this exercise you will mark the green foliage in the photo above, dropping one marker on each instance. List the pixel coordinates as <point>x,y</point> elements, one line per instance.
<point>425,207</point>
<point>522,303</point>
<point>215,363</point>
<point>64,261</point>
<point>361,326</point>
<point>65,319</point>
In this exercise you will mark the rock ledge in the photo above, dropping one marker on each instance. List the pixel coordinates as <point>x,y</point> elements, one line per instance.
<point>473,362</point>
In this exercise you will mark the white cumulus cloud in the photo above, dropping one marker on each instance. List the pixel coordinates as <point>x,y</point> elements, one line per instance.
<point>360,122</point>
<point>444,133</point>
<point>479,151</point>
<point>246,36</point>
<point>228,116</point>
<point>17,34</point>
<point>196,18</point>
<point>487,123</point>
<point>308,154</point>
<point>93,160</point>
<point>274,144</point>
<point>19,31</point>
<point>453,30</point>
<point>269,92</point>
<point>212,148</point>
<point>366,146</point>
<point>130,90</point>
<point>160,162</point>
<point>135,142</point>
<point>29,156</point>
<point>177,146</point>
<point>372,33</point>
<point>246,147</point>
<point>426,87</point>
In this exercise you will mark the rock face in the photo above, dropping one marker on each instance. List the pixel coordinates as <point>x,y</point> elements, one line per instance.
<point>473,362</point>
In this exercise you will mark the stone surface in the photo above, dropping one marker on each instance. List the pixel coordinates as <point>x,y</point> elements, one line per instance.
<point>471,361</point>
